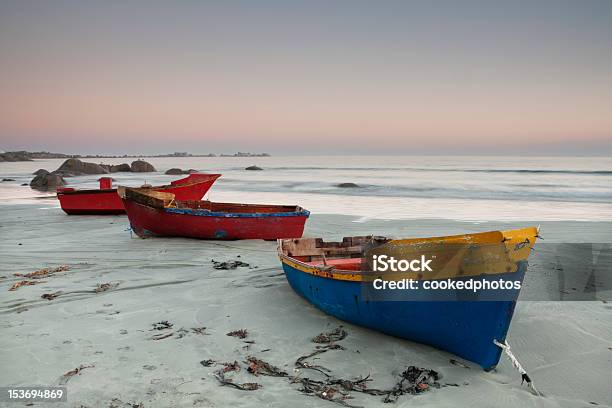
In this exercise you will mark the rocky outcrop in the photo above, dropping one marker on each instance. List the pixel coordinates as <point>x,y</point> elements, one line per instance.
<point>347,185</point>
<point>120,167</point>
<point>253,168</point>
<point>23,155</point>
<point>141,166</point>
<point>76,167</point>
<point>47,181</point>
<point>177,171</point>
<point>115,168</point>
<point>15,156</point>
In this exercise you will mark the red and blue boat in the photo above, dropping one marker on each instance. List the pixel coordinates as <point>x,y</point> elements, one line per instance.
<point>106,201</point>
<point>153,213</point>
<point>338,278</point>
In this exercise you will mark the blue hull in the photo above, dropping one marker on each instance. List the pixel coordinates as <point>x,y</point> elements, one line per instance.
<point>464,328</point>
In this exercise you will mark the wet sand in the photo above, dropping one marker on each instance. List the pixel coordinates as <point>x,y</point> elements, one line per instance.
<point>565,346</point>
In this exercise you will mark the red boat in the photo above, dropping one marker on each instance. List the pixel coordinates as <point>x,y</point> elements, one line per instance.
<point>154,213</point>
<point>106,201</point>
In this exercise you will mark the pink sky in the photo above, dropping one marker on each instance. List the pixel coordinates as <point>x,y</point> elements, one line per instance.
<point>121,78</point>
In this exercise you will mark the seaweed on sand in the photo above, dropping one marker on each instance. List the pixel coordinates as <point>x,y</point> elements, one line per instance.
<point>162,336</point>
<point>19,284</point>
<point>229,367</point>
<point>103,287</point>
<point>241,333</point>
<point>227,265</point>
<point>413,380</point>
<point>68,375</point>
<point>163,325</point>
<point>50,296</point>
<point>42,273</point>
<point>260,367</point>
<point>302,363</point>
<point>207,363</point>
<point>199,330</point>
<point>329,337</point>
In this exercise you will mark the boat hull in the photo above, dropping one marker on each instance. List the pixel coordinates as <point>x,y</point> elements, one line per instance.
<point>464,328</point>
<point>147,221</point>
<point>107,201</point>
<point>100,202</point>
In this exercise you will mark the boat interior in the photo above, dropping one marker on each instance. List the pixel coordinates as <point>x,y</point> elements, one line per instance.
<point>493,251</point>
<point>236,207</point>
<point>348,255</point>
<point>162,200</point>
<point>193,178</point>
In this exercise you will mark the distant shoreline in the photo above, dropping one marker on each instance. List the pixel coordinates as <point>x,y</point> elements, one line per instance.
<point>18,156</point>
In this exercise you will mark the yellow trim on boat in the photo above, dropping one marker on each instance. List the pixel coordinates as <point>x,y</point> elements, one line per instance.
<point>457,256</point>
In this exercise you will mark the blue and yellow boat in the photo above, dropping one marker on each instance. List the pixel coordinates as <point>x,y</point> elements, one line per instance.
<point>339,278</point>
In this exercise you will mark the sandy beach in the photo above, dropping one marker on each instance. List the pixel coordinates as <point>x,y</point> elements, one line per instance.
<point>566,346</point>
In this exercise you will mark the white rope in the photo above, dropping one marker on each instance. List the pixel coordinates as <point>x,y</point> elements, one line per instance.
<point>525,377</point>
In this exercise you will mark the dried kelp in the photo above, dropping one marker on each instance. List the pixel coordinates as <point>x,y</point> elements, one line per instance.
<point>207,363</point>
<point>179,334</point>
<point>260,367</point>
<point>103,287</point>
<point>413,380</point>
<point>199,330</point>
<point>324,391</point>
<point>229,367</point>
<point>220,375</point>
<point>302,363</point>
<point>117,403</point>
<point>50,296</point>
<point>458,363</point>
<point>36,275</point>
<point>68,375</point>
<point>162,336</point>
<point>241,333</point>
<point>227,265</point>
<point>329,337</point>
<point>19,284</point>
<point>42,273</point>
<point>163,325</point>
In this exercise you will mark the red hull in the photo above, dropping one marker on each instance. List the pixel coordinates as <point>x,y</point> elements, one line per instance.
<point>148,221</point>
<point>107,201</point>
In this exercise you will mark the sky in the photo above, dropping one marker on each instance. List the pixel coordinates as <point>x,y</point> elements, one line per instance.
<point>307,77</point>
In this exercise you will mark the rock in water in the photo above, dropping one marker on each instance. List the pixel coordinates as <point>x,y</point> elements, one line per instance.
<point>47,181</point>
<point>175,171</point>
<point>141,166</point>
<point>40,171</point>
<point>76,167</point>
<point>253,168</point>
<point>347,185</point>
<point>114,168</point>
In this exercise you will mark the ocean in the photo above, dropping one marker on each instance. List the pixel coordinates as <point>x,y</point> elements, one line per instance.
<point>474,188</point>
